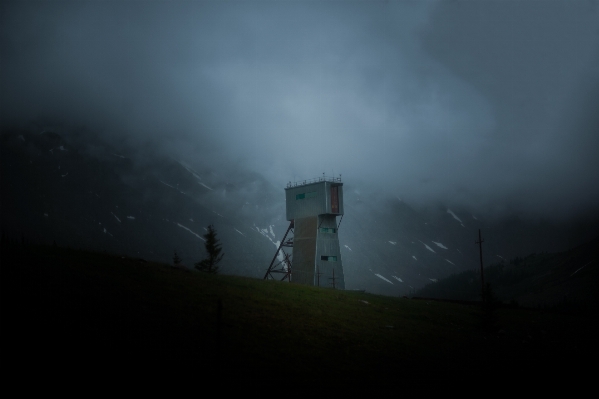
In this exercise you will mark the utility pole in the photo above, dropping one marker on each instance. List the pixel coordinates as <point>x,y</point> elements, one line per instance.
<point>333,278</point>
<point>318,273</point>
<point>482,275</point>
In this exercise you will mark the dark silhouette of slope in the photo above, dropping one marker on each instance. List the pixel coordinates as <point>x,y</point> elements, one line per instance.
<point>566,280</point>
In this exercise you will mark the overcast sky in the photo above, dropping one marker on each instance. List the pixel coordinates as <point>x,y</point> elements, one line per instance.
<point>491,103</point>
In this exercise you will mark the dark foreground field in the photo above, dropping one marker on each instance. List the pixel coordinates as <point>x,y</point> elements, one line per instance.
<point>66,311</point>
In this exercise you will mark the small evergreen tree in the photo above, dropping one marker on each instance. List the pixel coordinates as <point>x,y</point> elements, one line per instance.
<point>176,259</point>
<point>210,264</point>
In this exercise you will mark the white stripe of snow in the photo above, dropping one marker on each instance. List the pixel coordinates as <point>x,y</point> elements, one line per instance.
<point>347,247</point>
<point>264,232</point>
<point>131,217</point>
<point>379,276</point>
<point>116,217</point>
<point>166,184</point>
<point>398,279</point>
<point>195,234</point>
<point>392,242</point>
<point>454,216</point>
<point>500,256</point>
<point>272,233</point>
<point>202,184</point>
<point>190,170</point>
<point>414,257</point>
<point>65,175</point>
<point>427,247</point>
<point>434,280</point>
<point>450,262</point>
<point>238,231</point>
<point>439,245</point>
<point>580,269</point>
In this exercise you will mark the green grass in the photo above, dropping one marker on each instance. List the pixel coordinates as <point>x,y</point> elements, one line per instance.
<point>87,307</point>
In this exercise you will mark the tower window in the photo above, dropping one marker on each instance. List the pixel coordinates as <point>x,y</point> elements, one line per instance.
<point>328,230</point>
<point>311,194</point>
<point>328,258</point>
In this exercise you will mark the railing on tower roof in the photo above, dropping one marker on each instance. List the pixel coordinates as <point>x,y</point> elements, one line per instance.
<point>315,180</point>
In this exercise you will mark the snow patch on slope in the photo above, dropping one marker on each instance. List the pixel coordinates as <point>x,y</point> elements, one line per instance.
<point>455,217</point>
<point>379,276</point>
<point>440,245</point>
<point>166,184</point>
<point>392,242</point>
<point>347,247</point>
<point>427,247</point>
<point>264,232</point>
<point>450,262</point>
<point>192,232</point>
<point>398,279</point>
<point>190,170</point>
<point>116,217</point>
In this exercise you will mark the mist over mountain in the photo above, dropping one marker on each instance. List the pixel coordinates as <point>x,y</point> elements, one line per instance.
<point>130,126</point>
<point>491,105</point>
<point>73,187</point>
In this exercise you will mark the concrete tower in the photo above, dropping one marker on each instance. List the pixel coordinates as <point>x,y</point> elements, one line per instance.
<point>312,209</point>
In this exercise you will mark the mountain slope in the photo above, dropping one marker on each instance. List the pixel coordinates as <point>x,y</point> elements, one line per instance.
<point>564,279</point>
<point>74,187</point>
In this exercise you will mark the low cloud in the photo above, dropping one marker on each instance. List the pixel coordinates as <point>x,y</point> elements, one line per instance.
<point>489,104</point>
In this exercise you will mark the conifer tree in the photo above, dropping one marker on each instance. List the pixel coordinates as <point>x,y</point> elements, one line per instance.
<point>210,264</point>
<point>176,259</point>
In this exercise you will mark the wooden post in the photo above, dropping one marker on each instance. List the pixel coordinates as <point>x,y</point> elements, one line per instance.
<point>482,275</point>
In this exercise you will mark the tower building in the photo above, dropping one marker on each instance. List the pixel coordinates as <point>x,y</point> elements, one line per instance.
<point>312,208</point>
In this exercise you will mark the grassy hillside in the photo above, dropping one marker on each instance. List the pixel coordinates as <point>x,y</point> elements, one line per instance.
<point>86,308</point>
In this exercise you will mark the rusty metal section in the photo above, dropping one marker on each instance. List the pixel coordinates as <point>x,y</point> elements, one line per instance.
<point>334,199</point>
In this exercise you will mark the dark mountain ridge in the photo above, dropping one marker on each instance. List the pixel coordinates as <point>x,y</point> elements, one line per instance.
<point>561,280</point>
<point>82,191</point>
